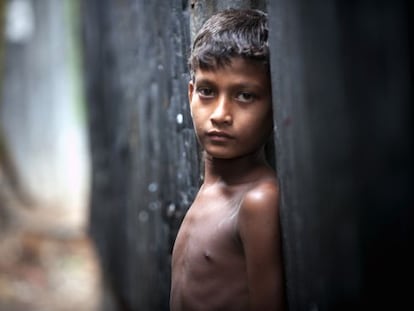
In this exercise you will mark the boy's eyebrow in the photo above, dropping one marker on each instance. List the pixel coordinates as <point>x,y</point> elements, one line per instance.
<point>204,81</point>
<point>242,85</point>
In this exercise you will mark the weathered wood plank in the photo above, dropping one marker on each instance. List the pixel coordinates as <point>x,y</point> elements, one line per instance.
<point>341,82</point>
<point>146,167</point>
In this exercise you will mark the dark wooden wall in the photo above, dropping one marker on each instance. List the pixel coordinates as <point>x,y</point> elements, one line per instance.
<point>342,74</point>
<point>342,91</point>
<point>145,161</point>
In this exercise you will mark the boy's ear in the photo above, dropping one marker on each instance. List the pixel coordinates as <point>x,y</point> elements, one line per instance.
<point>190,91</point>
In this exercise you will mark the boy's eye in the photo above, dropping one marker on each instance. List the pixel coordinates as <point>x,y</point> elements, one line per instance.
<point>205,92</point>
<point>245,97</point>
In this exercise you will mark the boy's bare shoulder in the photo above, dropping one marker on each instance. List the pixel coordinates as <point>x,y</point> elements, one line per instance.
<point>258,226</point>
<point>262,198</point>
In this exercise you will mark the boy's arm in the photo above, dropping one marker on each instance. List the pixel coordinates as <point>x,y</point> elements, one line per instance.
<point>259,231</point>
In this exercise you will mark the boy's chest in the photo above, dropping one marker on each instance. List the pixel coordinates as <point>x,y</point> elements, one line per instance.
<point>209,231</point>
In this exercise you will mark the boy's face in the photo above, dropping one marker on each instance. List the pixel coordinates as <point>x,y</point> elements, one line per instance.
<point>231,108</point>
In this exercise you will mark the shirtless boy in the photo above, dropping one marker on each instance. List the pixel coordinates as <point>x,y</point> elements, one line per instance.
<point>227,255</point>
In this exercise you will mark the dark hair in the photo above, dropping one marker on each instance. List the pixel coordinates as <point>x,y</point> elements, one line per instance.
<point>227,34</point>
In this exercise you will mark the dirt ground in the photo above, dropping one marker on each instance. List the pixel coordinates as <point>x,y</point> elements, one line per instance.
<point>43,268</point>
<point>44,273</point>
<point>38,272</point>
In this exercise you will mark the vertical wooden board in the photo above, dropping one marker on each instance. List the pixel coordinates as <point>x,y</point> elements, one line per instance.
<point>337,68</point>
<point>146,167</point>
<point>316,186</point>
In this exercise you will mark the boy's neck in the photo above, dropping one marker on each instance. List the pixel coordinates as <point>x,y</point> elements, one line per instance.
<point>234,171</point>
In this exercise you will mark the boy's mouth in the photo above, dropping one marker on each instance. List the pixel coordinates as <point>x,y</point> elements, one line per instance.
<point>219,135</point>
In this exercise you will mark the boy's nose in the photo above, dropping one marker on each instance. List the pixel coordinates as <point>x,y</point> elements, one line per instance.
<point>222,112</point>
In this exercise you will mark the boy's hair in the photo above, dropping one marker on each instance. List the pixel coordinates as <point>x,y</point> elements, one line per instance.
<point>228,34</point>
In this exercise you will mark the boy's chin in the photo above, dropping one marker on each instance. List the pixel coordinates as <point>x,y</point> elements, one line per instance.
<point>227,155</point>
<point>214,154</point>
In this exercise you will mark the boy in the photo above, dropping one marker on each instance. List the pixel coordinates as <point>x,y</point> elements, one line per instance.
<point>227,255</point>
